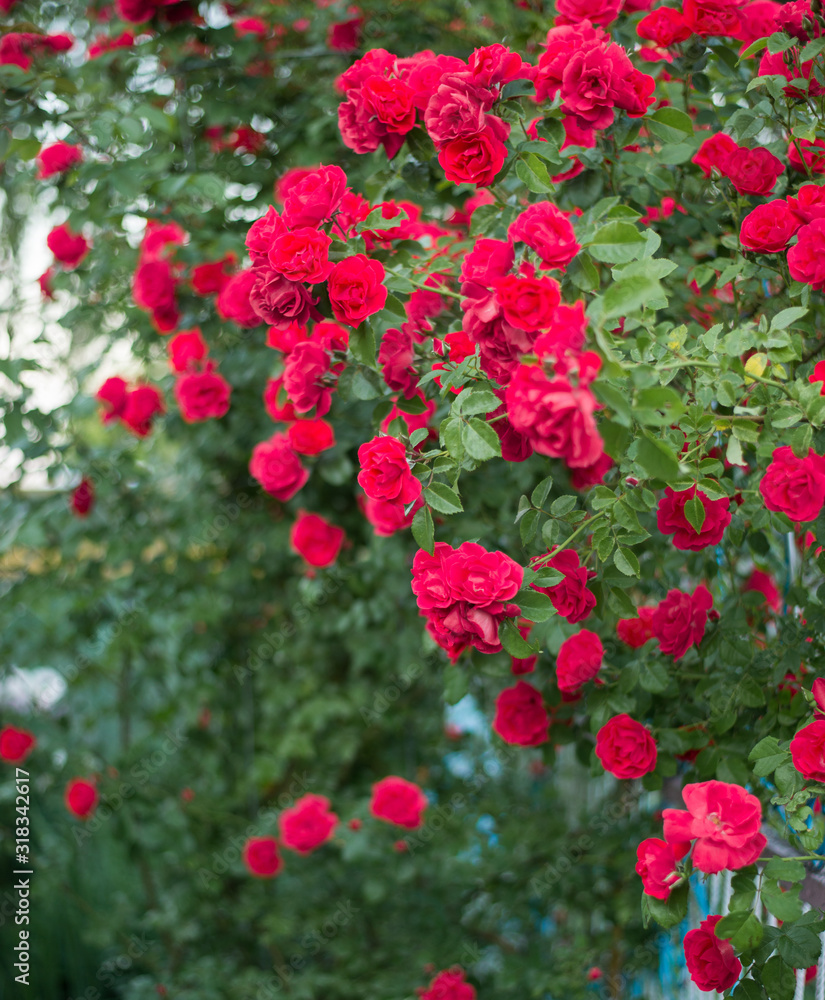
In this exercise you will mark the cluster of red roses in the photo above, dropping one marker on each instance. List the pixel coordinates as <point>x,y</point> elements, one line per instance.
<point>721,830</point>
<point>202,393</point>
<point>454,99</point>
<point>310,823</point>
<point>136,407</point>
<point>17,48</point>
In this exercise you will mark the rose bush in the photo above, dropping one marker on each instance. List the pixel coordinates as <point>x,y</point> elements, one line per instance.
<point>402,361</point>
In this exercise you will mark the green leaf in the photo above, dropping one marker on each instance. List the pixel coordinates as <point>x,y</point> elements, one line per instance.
<point>785,870</point>
<point>617,243</point>
<point>742,929</point>
<point>657,459</point>
<point>362,344</point>
<point>753,48</point>
<point>532,172</point>
<point>766,756</point>
<point>517,88</point>
<point>626,561</point>
<point>534,606</point>
<point>748,989</point>
<point>456,684</point>
<point>422,529</point>
<point>783,905</point>
<point>670,124</point>
<point>563,505</point>
<point>798,946</point>
<point>512,641</point>
<point>695,513</point>
<point>779,979</point>
<point>539,494</point>
<point>625,297</point>
<point>480,440</point>
<point>812,50</point>
<point>441,498</point>
<point>471,401</point>
<point>670,911</point>
<point>653,677</point>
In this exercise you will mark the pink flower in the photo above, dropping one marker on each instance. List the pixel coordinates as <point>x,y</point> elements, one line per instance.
<point>547,230</point>
<point>277,468</point>
<point>724,820</point>
<point>202,396</point>
<point>578,661</point>
<point>570,596</point>
<point>672,520</point>
<point>385,473</point>
<point>625,748</point>
<point>710,960</point>
<point>308,824</point>
<point>521,718</point>
<point>57,158</point>
<point>316,540</point>
<point>355,289</point>
<point>656,866</point>
<point>397,801</point>
<point>679,620</point>
<point>794,486</point>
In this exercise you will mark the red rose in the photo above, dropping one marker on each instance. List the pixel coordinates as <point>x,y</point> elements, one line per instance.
<point>808,203</point>
<point>113,394</point>
<point>679,620</point>
<point>386,517</point>
<point>143,404</point>
<point>302,255</point>
<point>794,486</point>
<point>515,447</point>
<point>664,26</point>
<point>596,11</point>
<point>153,289</point>
<point>671,519</point>
<point>68,247</point>
<point>488,261</point>
<point>555,416</point>
<point>714,153</point>
<point>262,234</point>
<point>261,857</point>
<point>211,278</point>
<point>591,475</point>
<point>570,596</point>
<point>391,102</point>
<point>547,230</point>
<point>476,159</point>
<point>355,289</point>
<point>656,865</point>
<point>308,824</point>
<point>83,498</point>
<point>768,228</point>
<point>385,473</point>
<point>80,798</point>
<point>396,356</point>
<point>279,301</point>
<point>316,540</point>
<point>806,260</point>
<point>186,350</point>
<point>311,437</point>
<point>710,960</point>
<point>763,583</point>
<point>635,632</point>
<point>808,751</point>
<point>202,396</point>
<point>315,197</point>
<point>712,17</point>
<point>457,109</point>
<point>752,171</point>
<point>234,303</point>
<point>304,372</point>
<point>449,985</point>
<point>277,468</point>
<point>343,36</point>
<point>480,577</point>
<point>521,718</point>
<point>725,822</point>
<point>578,661</point>
<point>57,158</point>
<point>397,801</point>
<point>625,748</point>
<point>277,405</point>
<point>528,303</point>
<point>16,744</point>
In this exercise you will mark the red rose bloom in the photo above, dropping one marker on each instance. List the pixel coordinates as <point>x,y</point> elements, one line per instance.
<point>806,259</point>
<point>664,26</point>
<point>202,396</point>
<point>808,203</point>
<point>710,960</point>
<point>488,261</point>
<point>635,632</point>
<point>57,158</point>
<point>234,302</point>
<point>679,620</point>
<point>113,394</point>
<point>528,303</point>
<point>794,486</point>
<point>625,748</point>
<point>302,255</point>
<point>752,171</point>
<point>656,866</point>
<point>80,798</point>
<point>763,583</point>
<point>769,228</point>
<point>521,718</point>
<point>186,350</point>
<point>570,596</point>
<point>277,468</point>
<point>671,519</point>
<point>261,857</point>
<point>83,498</point>
<point>476,159</point>
<point>68,247</point>
<point>397,801</point>
<point>554,415</point>
<point>714,153</point>
<point>211,278</point>
<point>449,985</point>
<point>480,577</point>
<point>808,751</point>
<point>311,437</point>
<point>386,517</point>
<point>385,473</point>
<point>279,301</point>
<point>355,289</point>
<point>308,824</point>
<point>316,540</point>
<point>712,17</point>
<point>314,197</point>
<point>305,369</point>
<point>16,744</point>
<point>803,151</point>
<point>143,404</point>
<point>579,660</point>
<point>724,820</point>
<point>547,230</point>
<point>396,356</point>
